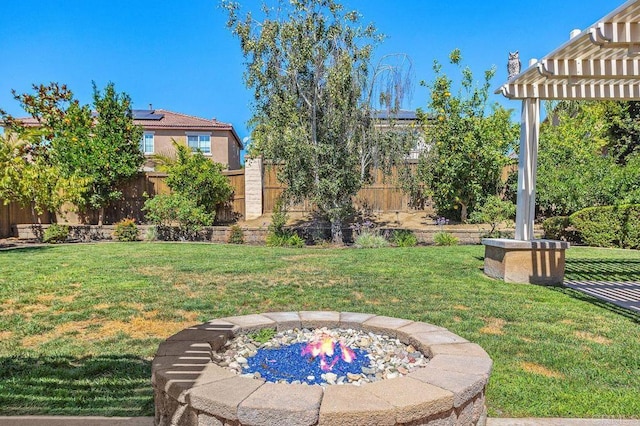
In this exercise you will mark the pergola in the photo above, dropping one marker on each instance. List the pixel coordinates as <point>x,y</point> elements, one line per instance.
<point>599,63</point>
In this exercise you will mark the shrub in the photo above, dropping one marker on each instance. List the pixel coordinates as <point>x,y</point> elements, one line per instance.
<point>236,235</point>
<point>404,238</point>
<point>126,230</point>
<point>370,240</point>
<point>444,239</point>
<point>609,226</point>
<point>295,241</point>
<point>278,235</point>
<point>287,239</point>
<point>560,228</point>
<point>199,179</point>
<point>494,211</point>
<point>176,209</point>
<point>56,234</point>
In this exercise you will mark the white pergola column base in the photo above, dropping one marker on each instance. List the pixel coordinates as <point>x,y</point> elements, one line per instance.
<point>527,262</point>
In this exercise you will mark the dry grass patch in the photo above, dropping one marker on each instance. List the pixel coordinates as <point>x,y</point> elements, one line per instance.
<point>585,335</point>
<point>461,308</point>
<point>147,325</point>
<point>532,367</point>
<point>493,326</point>
<point>5,335</point>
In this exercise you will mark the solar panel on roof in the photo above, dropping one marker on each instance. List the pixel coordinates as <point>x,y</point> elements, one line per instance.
<point>146,114</point>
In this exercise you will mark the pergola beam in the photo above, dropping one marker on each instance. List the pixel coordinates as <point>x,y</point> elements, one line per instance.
<point>578,91</point>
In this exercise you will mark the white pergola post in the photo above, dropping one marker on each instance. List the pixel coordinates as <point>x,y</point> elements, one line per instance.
<point>527,169</point>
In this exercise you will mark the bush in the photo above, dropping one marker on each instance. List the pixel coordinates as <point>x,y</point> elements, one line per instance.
<point>287,239</point>
<point>236,235</point>
<point>126,230</point>
<point>494,211</point>
<point>559,228</point>
<point>404,238</point>
<point>55,234</point>
<point>176,209</point>
<point>197,178</point>
<point>609,226</point>
<point>370,240</point>
<point>295,241</point>
<point>278,235</point>
<point>444,239</point>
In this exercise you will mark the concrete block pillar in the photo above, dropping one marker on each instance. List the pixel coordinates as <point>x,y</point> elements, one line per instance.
<point>253,182</point>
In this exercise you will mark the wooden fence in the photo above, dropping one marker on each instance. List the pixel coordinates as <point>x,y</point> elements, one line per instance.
<point>384,194</point>
<point>135,192</point>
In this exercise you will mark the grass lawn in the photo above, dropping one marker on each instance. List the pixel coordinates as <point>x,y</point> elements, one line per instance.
<point>79,324</point>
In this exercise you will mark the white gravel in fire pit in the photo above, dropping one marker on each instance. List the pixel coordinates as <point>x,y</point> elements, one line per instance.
<point>389,357</point>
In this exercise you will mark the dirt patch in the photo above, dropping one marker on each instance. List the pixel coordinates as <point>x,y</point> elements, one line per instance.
<point>585,335</point>
<point>493,326</point>
<point>531,367</point>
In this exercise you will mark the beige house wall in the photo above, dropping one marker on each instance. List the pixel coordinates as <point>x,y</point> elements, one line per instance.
<point>222,145</point>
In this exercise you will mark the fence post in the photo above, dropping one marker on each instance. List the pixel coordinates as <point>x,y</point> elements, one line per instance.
<point>253,181</point>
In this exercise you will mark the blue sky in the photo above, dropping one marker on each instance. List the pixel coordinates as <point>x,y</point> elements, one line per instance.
<point>178,55</point>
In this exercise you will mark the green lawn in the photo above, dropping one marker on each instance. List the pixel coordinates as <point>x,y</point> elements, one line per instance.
<point>79,324</point>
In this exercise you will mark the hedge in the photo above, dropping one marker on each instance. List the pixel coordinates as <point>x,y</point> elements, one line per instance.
<point>559,228</point>
<point>609,226</point>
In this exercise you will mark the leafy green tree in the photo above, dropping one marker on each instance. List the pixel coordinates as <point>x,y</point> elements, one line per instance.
<point>470,141</point>
<point>308,63</point>
<point>105,149</point>
<point>29,173</point>
<point>577,164</point>
<point>623,133</point>
<point>102,151</point>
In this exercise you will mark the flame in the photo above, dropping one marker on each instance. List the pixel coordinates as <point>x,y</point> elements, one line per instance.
<point>325,348</point>
<point>348,355</point>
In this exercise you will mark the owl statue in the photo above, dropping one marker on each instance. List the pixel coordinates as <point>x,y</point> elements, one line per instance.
<point>513,66</point>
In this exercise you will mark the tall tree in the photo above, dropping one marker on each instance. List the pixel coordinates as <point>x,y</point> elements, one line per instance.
<point>308,63</point>
<point>470,141</point>
<point>99,149</point>
<point>108,154</point>
<point>579,164</point>
<point>29,173</point>
<point>623,120</point>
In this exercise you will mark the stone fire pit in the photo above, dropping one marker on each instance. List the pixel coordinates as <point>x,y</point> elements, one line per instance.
<point>190,389</point>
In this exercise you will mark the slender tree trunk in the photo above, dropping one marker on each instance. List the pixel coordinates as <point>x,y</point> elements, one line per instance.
<point>463,212</point>
<point>336,231</point>
<point>100,216</point>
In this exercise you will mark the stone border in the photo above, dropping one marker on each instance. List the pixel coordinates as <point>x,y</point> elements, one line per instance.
<point>190,389</point>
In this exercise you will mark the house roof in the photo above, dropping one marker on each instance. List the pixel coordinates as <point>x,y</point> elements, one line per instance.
<point>396,115</point>
<point>601,62</point>
<point>159,119</point>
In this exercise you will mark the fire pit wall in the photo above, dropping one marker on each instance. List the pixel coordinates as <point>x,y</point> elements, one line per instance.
<point>190,389</point>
